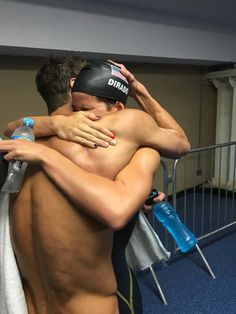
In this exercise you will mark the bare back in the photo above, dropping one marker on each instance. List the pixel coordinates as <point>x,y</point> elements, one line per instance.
<point>63,254</point>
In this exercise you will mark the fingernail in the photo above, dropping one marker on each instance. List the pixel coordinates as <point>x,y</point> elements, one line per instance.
<point>113,142</point>
<point>112,136</point>
<point>106,144</point>
<point>95,145</point>
<point>99,117</point>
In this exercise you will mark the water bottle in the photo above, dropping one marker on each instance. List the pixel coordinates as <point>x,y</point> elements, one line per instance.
<point>16,168</point>
<point>183,237</point>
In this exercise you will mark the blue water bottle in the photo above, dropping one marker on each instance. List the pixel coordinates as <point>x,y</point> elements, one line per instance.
<point>16,168</point>
<point>183,237</point>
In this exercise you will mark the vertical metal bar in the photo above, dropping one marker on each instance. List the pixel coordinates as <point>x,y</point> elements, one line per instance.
<point>185,193</point>
<point>211,189</point>
<point>219,190</point>
<point>234,179</point>
<point>158,285</point>
<point>203,195</point>
<point>227,185</point>
<point>166,177</point>
<point>167,181</point>
<point>194,191</point>
<point>174,176</point>
<point>174,181</point>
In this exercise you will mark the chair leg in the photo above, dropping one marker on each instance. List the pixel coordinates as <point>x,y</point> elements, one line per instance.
<point>158,285</point>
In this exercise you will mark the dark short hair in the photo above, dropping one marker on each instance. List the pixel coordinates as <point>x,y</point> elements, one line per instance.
<point>53,80</point>
<point>108,101</point>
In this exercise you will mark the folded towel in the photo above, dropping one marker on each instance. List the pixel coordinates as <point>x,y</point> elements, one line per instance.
<point>144,247</point>
<point>12,298</point>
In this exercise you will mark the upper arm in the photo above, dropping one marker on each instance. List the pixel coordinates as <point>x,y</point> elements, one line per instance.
<point>170,143</point>
<point>134,183</point>
<point>112,202</point>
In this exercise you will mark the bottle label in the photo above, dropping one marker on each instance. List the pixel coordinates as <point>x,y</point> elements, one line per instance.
<point>15,137</point>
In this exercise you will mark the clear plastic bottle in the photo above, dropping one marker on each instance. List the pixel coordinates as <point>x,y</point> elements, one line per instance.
<point>183,237</point>
<point>16,168</point>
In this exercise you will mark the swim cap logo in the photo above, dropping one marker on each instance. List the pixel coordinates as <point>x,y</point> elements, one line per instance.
<point>118,85</point>
<point>115,71</point>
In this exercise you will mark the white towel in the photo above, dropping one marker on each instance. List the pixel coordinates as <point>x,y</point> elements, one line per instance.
<point>12,298</point>
<point>144,247</point>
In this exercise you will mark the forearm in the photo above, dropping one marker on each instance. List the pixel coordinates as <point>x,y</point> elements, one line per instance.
<point>44,126</point>
<point>110,202</point>
<point>80,127</point>
<point>143,98</point>
<point>172,132</point>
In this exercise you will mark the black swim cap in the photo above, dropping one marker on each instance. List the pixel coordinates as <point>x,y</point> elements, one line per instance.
<point>102,79</point>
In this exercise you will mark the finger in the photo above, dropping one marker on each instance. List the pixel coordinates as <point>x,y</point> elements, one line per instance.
<point>93,117</point>
<point>147,211</point>
<point>118,64</point>
<point>159,198</point>
<point>129,76</point>
<point>147,207</point>
<point>101,131</point>
<point>98,133</point>
<point>89,140</point>
<point>6,142</point>
<point>10,156</point>
<point>123,69</point>
<point>90,144</point>
<point>103,143</point>
<point>5,146</point>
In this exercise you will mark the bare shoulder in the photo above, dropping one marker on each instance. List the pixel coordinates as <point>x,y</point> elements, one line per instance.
<point>129,113</point>
<point>131,119</point>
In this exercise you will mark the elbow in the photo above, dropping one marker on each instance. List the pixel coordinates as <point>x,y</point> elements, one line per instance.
<point>188,148</point>
<point>185,148</point>
<point>7,132</point>
<point>118,217</point>
<point>118,224</point>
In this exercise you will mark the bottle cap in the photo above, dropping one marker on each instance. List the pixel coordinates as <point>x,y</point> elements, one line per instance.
<point>28,122</point>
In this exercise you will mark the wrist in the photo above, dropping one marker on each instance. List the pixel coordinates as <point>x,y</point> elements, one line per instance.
<point>143,98</point>
<point>47,157</point>
<point>55,124</point>
<point>138,90</point>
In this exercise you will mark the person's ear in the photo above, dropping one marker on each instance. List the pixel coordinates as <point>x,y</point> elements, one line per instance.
<point>118,106</point>
<point>72,81</point>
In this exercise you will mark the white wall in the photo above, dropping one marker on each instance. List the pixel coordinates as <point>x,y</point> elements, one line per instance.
<point>26,25</point>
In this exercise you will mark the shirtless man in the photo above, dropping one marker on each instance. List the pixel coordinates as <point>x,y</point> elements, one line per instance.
<point>54,80</point>
<point>57,265</point>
